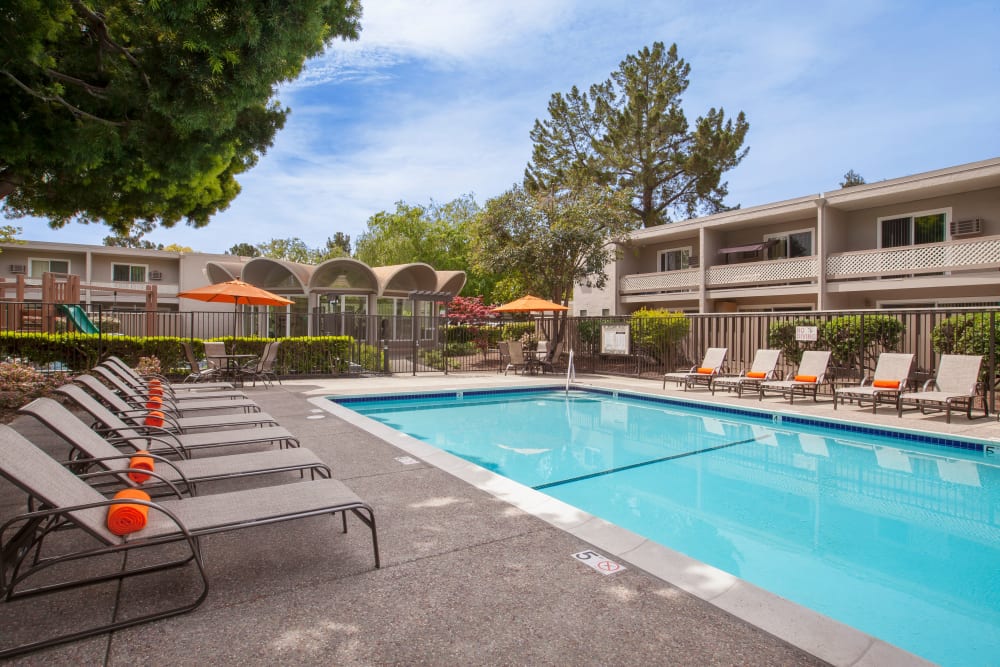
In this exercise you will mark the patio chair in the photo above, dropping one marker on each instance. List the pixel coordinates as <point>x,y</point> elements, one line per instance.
<point>548,362</point>
<point>180,407</point>
<point>143,389</point>
<point>763,368</point>
<point>137,414</point>
<point>61,500</point>
<point>126,370</point>
<point>164,442</point>
<point>892,372</point>
<point>198,374</point>
<point>710,368</point>
<point>90,449</point>
<point>515,357</point>
<point>956,385</point>
<point>263,368</point>
<point>215,352</point>
<point>808,378</point>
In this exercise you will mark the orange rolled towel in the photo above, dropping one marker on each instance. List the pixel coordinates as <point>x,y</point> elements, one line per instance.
<point>142,461</point>
<point>706,371</point>
<point>805,378</point>
<point>154,402</point>
<point>154,418</point>
<point>125,518</point>
<point>155,391</point>
<point>886,384</point>
<point>757,375</point>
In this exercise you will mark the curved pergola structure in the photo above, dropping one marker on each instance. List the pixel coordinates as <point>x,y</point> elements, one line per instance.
<point>343,275</point>
<point>220,272</point>
<point>401,279</point>
<point>451,282</point>
<point>277,275</point>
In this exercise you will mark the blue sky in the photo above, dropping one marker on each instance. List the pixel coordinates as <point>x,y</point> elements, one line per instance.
<point>437,98</point>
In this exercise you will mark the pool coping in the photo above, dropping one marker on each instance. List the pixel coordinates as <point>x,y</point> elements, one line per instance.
<point>821,636</point>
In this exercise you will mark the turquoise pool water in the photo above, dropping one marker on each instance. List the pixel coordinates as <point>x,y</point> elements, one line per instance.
<point>899,538</point>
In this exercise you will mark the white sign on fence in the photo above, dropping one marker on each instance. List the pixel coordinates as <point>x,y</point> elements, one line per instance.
<point>614,339</point>
<point>806,333</point>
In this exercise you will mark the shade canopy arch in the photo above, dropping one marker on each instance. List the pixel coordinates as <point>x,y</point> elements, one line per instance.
<point>451,282</point>
<point>277,275</point>
<point>343,275</point>
<point>401,279</point>
<point>221,272</point>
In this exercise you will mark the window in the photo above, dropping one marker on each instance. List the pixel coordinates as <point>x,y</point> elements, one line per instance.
<point>675,259</point>
<point>40,266</point>
<point>128,273</point>
<point>913,229</point>
<point>583,313</point>
<point>798,243</point>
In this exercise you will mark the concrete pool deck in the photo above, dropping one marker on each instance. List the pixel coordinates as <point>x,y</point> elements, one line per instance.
<point>473,573</point>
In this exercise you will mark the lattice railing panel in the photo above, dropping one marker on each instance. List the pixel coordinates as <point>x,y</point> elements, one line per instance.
<point>771,271</point>
<point>685,279</point>
<point>927,258</point>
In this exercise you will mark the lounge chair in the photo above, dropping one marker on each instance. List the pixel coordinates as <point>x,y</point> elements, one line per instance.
<point>90,449</point>
<point>141,388</point>
<point>164,442</point>
<point>61,500</point>
<point>199,375</point>
<point>809,377</point>
<point>263,368</point>
<point>710,368</point>
<point>889,381</point>
<point>763,368</point>
<point>174,387</point>
<point>137,415</point>
<point>180,407</point>
<point>956,385</point>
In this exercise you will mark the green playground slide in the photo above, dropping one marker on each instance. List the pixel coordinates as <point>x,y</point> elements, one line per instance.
<point>78,317</point>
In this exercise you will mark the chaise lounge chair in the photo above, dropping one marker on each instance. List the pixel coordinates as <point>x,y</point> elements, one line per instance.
<point>710,368</point>
<point>174,387</point>
<point>59,500</point>
<point>164,442</point>
<point>807,380</point>
<point>889,380</point>
<point>237,401</point>
<point>955,386</point>
<point>763,368</point>
<point>89,449</point>
<point>173,422</point>
<point>142,389</point>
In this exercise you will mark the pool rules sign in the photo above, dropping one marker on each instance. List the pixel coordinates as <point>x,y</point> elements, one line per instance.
<point>598,562</point>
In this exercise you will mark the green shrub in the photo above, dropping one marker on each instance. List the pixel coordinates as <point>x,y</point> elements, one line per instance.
<point>20,383</point>
<point>658,333</point>
<point>436,360</point>
<point>514,330</point>
<point>965,333</point>
<point>843,337</point>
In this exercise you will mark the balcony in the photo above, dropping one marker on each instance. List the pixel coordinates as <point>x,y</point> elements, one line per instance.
<point>683,280</point>
<point>103,288</point>
<point>975,254</point>
<point>769,272</point>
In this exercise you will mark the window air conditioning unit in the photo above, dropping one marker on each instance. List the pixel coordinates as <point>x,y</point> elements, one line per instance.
<point>17,268</point>
<point>693,262</point>
<point>155,275</point>
<point>972,227</point>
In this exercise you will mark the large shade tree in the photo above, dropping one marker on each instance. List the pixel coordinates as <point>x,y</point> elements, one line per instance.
<point>437,234</point>
<point>128,111</point>
<point>551,241</point>
<point>631,132</point>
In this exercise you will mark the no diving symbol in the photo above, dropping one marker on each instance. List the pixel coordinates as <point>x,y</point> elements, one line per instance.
<point>598,562</point>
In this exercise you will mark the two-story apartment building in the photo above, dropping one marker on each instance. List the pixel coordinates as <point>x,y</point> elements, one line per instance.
<point>927,240</point>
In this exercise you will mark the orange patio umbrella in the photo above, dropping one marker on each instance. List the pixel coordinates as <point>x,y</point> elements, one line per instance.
<point>528,304</point>
<point>236,292</point>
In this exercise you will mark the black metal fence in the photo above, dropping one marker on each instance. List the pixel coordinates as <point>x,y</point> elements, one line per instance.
<point>634,346</point>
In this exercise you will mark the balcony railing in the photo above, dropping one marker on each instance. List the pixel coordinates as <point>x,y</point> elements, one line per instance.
<point>794,270</point>
<point>683,280</point>
<point>973,254</point>
<point>982,253</point>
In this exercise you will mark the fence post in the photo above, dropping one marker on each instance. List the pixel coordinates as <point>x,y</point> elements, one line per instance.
<point>385,357</point>
<point>100,332</point>
<point>861,352</point>
<point>993,359</point>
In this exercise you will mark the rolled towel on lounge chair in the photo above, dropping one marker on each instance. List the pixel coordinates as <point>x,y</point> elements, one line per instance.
<point>141,460</point>
<point>125,518</point>
<point>154,418</point>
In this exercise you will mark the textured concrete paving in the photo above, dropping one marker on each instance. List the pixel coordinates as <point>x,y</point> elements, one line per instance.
<point>466,578</point>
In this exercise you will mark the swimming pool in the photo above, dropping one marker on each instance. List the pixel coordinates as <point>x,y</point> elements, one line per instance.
<point>899,538</point>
